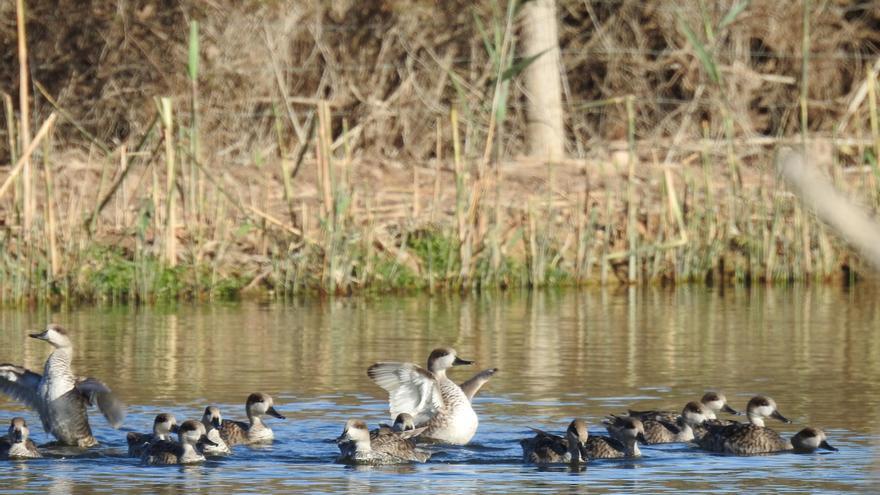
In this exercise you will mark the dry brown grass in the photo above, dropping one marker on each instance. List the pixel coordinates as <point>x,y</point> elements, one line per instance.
<point>390,72</point>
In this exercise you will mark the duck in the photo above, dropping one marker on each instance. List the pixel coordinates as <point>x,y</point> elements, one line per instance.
<point>163,426</point>
<point>747,438</point>
<point>760,407</point>
<point>403,422</point>
<point>187,450</point>
<point>254,431</point>
<point>626,433</point>
<point>59,396</point>
<point>212,421</point>
<point>358,445</point>
<point>16,444</point>
<point>435,402</point>
<point>810,440</point>
<point>546,448</point>
<point>659,430</point>
<point>713,403</point>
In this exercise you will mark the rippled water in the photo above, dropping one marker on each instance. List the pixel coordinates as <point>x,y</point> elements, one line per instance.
<point>561,355</point>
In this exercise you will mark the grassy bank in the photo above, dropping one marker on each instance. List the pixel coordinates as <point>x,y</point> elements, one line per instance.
<point>225,183</point>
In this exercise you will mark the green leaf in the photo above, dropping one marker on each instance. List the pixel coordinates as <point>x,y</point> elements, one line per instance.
<point>733,13</point>
<point>521,65</point>
<point>485,36</point>
<point>704,56</point>
<point>193,66</point>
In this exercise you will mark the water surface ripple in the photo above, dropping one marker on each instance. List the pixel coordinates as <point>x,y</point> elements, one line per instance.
<point>562,354</point>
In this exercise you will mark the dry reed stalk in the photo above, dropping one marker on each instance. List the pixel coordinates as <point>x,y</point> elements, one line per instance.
<point>415,193</point>
<point>630,192</point>
<point>805,71</point>
<point>91,138</point>
<point>301,134</point>
<point>24,118</point>
<point>167,117</point>
<point>438,154</point>
<point>26,154</point>
<point>805,242</point>
<point>347,154</point>
<point>121,199</point>
<point>460,200</point>
<point>871,79</point>
<point>326,179</point>
<point>10,126</point>
<point>54,258</point>
<point>10,134</point>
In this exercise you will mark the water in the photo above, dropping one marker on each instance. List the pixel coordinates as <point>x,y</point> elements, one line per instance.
<point>561,354</point>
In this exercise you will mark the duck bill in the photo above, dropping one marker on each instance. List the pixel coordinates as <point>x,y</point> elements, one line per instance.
<point>461,362</point>
<point>18,437</point>
<point>174,428</point>
<point>780,417</point>
<point>641,438</point>
<point>730,410</point>
<point>343,438</point>
<point>207,441</point>
<point>38,335</point>
<point>827,446</point>
<point>215,422</point>
<point>275,414</point>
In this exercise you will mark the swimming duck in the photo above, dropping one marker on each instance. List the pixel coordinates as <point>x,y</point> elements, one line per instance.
<point>254,431</point>
<point>16,444</point>
<point>760,407</point>
<point>58,395</point>
<point>660,430</point>
<point>433,400</point>
<point>357,445</point>
<point>713,402</point>
<point>746,438</point>
<point>187,450</point>
<point>625,433</point>
<point>749,439</point>
<point>810,440</point>
<point>163,425</point>
<point>212,421</point>
<point>546,448</point>
<point>403,422</point>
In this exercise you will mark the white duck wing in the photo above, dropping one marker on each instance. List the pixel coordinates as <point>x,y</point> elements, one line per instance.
<point>96,392</point>
<point>21,384</point>
<point>411,389</point>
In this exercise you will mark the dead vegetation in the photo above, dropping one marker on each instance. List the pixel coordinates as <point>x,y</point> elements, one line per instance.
<point>376,194</point>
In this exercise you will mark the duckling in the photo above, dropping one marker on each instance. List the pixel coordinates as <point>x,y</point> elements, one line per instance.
<point>16,444</point>
<point>546,448</point>
<point>58,395</point>
<point>358,446</point>
<point>254,431</point>
<point>212,421</point>
<point>434,401</point>
<point>163,425</point>
<point>187,450</point>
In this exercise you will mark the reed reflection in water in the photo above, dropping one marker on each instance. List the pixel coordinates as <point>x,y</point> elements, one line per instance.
<point>561,354</point>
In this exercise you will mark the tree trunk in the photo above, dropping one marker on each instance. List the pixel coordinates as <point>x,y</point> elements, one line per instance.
<point>545,133</point>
